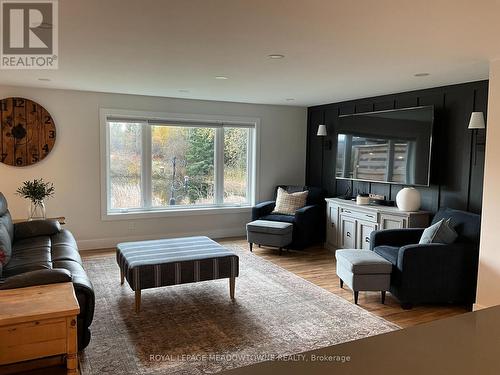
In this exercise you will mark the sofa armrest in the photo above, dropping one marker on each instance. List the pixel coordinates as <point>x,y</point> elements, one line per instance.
<point>395,237</point>
<point>38,277</point>
<point>262,209</point>
<point>27,229</point>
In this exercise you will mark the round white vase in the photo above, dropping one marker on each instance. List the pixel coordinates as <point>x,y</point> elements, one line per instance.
<point>408,199</point>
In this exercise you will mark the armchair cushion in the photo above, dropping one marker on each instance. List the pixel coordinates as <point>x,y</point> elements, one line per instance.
<point>35,228</point>
<point>288,203</point>
<point>441,232</point>
<point>39,277</point>
<point>282,218</point>
<point>389,253</point>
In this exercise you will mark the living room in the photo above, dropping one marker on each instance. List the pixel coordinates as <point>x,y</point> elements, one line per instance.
<point>251,187</point>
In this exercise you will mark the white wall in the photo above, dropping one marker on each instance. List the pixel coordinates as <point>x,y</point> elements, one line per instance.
<point>74,163</point>
<point>488,289</point>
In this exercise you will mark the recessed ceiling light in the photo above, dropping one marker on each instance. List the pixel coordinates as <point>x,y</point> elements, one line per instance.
<point>290,99</point>
<point>44,79</point>
<point>276,56</point>
<point>221,77</point>
<point>183,90</point>
<point>422,74</point>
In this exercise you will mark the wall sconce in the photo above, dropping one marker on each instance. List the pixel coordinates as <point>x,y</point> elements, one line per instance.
<point>323,133</point>
<point>476,122</point>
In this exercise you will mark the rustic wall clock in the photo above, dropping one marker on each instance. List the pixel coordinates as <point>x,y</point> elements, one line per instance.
<point>28,132</point>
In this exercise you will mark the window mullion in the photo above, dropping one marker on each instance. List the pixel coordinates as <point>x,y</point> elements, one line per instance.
<point>219,166</point>
<point>146,166</point>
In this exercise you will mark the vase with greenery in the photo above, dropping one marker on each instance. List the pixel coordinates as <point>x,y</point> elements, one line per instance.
<point>37,191</point>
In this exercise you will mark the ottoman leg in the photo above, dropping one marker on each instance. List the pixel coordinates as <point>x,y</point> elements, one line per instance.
<point>383,297</point>
<point>122,277</point>
<point>356,294</point>
<point>341,283</point>
<point>251,246</point>
<point>137,301</point>
<point>232,282</point>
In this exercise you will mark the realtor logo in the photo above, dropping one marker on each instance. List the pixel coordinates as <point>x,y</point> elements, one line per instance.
<point>29,37</point>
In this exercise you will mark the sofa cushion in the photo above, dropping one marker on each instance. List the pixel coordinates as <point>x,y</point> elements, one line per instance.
<point>288,203</point>
<point>362,262</point>
<point>5,246</point>
<point>388,252</point>
<point>5,217</point>
<point>440,232</point>
<point>39,277</point>
<point>35,228</point>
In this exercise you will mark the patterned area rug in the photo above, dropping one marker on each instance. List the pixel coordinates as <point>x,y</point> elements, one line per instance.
<point>196,329</point>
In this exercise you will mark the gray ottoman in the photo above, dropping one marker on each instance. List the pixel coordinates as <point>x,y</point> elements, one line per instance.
<point>363,270</point>
<point>269,233</point>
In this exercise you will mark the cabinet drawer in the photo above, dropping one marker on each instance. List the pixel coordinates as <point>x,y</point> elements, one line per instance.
<point>361,215</point>
<point>32,340</point>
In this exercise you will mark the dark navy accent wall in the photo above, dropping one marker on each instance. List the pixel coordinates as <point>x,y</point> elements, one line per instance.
<point>457,156</point>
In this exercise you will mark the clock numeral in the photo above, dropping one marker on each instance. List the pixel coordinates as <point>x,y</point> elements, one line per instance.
<point>4,105</point>
<point>34,158</point>
<point>34,109</point>
<point>18,102</point>
<point>45,148</point>
<point>48,120</point>
<point>4,156</point>
<point>19,161</point>
<point>52,134</point>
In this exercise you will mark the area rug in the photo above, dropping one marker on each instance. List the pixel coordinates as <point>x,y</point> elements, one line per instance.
<point>196,329</point>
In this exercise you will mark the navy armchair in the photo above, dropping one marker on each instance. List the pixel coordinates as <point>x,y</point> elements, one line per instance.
<point>308,222</point>
<point>432,273</point>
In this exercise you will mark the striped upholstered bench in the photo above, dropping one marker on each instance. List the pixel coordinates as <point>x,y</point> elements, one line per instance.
<point>152,264</point>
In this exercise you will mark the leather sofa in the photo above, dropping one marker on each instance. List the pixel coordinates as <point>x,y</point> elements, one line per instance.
<point>43,253</point>
<point>432,273</point>
<point>309,222</point>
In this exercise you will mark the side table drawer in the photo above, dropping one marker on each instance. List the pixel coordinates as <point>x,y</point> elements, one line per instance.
<point>361,215</point>
<point>32,340</point>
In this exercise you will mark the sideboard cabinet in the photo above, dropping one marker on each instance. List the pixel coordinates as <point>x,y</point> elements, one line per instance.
<point>349,225</point>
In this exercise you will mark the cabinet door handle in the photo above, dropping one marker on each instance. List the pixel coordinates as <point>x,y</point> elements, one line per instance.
<point>367,239</point>
<point>348,234</point>
<point>370,216</point>
<point>347,212</point>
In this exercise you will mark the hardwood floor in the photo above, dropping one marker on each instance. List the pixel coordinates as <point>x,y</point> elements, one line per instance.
<point>317,265</point>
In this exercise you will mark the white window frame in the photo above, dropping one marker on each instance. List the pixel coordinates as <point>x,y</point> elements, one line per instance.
<point>253,159</point>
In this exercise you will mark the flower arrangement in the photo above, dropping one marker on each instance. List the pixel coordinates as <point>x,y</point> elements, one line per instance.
<point>36,191</point>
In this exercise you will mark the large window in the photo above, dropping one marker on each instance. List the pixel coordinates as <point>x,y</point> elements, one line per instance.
<point>167,165</point>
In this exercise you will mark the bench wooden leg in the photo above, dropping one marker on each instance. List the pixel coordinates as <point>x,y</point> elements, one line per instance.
<point>356,294</point>
<point>251,246</point>
<point>341,283</point>
<point>122,277</point>
<point>383,297</point>
<point>232,282</point>
<point>137,301</point>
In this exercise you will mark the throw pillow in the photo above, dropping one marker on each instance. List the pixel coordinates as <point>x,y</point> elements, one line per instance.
<point>5,245</point>
<point>288,203</point>
<point>441,232</point>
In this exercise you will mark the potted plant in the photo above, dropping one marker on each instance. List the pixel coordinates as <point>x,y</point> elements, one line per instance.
<point>36,191</point>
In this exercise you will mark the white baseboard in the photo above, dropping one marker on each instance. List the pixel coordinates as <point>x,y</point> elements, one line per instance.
<point>110,242</point>
<point>477,306</point>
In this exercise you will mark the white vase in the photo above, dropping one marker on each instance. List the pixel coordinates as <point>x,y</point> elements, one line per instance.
<point>408,199</point>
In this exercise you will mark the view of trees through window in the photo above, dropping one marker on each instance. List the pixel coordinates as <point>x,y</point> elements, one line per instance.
<point>182,165</point>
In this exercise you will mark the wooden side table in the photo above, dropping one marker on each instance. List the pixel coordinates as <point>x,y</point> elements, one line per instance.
<point>39,321</point>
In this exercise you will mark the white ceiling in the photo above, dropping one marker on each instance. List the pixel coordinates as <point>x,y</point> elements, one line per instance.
<point>335,50</point>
